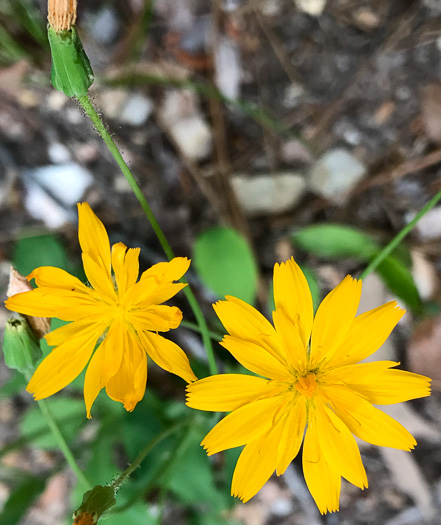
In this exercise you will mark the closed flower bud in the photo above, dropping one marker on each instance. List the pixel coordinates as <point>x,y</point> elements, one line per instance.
<point>40,326</point>
<point>95,502</point>
<point>20,346</point>
<point>71,72</point>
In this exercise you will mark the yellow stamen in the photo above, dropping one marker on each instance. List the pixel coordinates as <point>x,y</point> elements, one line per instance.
<point>306,385</point>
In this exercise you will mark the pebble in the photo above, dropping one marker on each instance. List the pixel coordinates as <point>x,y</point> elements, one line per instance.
<point>67,181</point>
<point>105,26</point>
<point>136,110</point>
<point>228,68</point>
<point>335,174</point>
<point>311,7</point>
<point>268,194</point>
<point>182,118</point>
<point>428,227</point>
<point>42,207</point>
<point>58,153</point>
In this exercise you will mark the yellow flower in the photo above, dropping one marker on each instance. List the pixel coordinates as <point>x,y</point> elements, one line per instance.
<point>121,314</point>
<point>314,380</point>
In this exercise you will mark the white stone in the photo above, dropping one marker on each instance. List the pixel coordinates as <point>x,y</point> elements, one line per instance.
<point>67,182</point>
<point>429,226</point>
<point>136,110</point>
<point>268,194</point>
<point>183,120</point>
<point>335,174</point>
<point>228,72</point>
<point>193,136</point>
<point>58,153</point>
<point>311,7</point>
<point>42,207</point>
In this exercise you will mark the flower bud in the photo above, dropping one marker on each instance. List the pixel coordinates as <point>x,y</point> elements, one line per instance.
<point>20,346</point>
<point>71,72</point>
<point>95,502</point>
<point>40,326</point>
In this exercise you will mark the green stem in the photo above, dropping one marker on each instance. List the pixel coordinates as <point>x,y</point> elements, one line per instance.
<point>147,449</point>
<point>215,336</point>
<point>389,248</point>
<point>100,127</point>
<point>52,424</point>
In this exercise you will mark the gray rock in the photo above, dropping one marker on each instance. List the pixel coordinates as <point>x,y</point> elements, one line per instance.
<point>105,26</point>
<point>136,110</point>
<point>268,194</point>
<point>335,174</point>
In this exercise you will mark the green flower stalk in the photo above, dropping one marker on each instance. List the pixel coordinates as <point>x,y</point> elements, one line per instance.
<point>71,72</point>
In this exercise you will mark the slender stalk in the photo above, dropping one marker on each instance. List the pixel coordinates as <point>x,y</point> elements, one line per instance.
<point>389,248</point>
<point>147,449</point>
<point>215,336</point>
<point>100,127</point>
<point>52,424</point>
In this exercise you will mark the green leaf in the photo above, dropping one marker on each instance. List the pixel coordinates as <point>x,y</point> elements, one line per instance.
<point>226,264</point>
<point>20,500</point>
<point>135,515</point>
<point>399,280</point>
<point>336,241</point>
<point>192,477</point>
<point>42,250</point>
<point>15,384</point>
<point>69,413</point>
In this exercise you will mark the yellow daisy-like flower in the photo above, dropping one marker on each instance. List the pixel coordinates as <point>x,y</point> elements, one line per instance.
<point>314,381</point>
<point>122,314</point>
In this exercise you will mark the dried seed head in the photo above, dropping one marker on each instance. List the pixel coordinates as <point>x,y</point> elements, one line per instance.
<point>62,14</point>
<point>40,326</point>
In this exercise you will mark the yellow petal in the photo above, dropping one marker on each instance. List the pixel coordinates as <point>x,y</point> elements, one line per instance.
<point>63,364</point>
<point>256,464</point>
<point>167,355</point>
<point>125,264</point>
<point>225,392</point>
<point>167,272</point>
<point>245,424</point>
<point>365,421</point>
<point>99,279</point>
<point>93,237</point>
<point>292,295</point>
<point>379,384</point>
<point>55,302</point>
<point>334,317</point>
<point>256,358</point>
<point>338,445</point>
<point>367,333</point>
<point>52,277</point>
<point>145,293</point>
<point>128,385</point>
<point>69,331</point>
<point>292,435</point>
<point>323,482</point>
<point>291,341</point>
<point>94,380</point>
<point>157,318</point>
<point>244,322</point>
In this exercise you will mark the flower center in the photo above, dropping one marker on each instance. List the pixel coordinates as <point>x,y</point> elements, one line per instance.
<point>306,385</point>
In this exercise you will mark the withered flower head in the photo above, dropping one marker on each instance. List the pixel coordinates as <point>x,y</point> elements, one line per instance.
<point>62,14</point>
